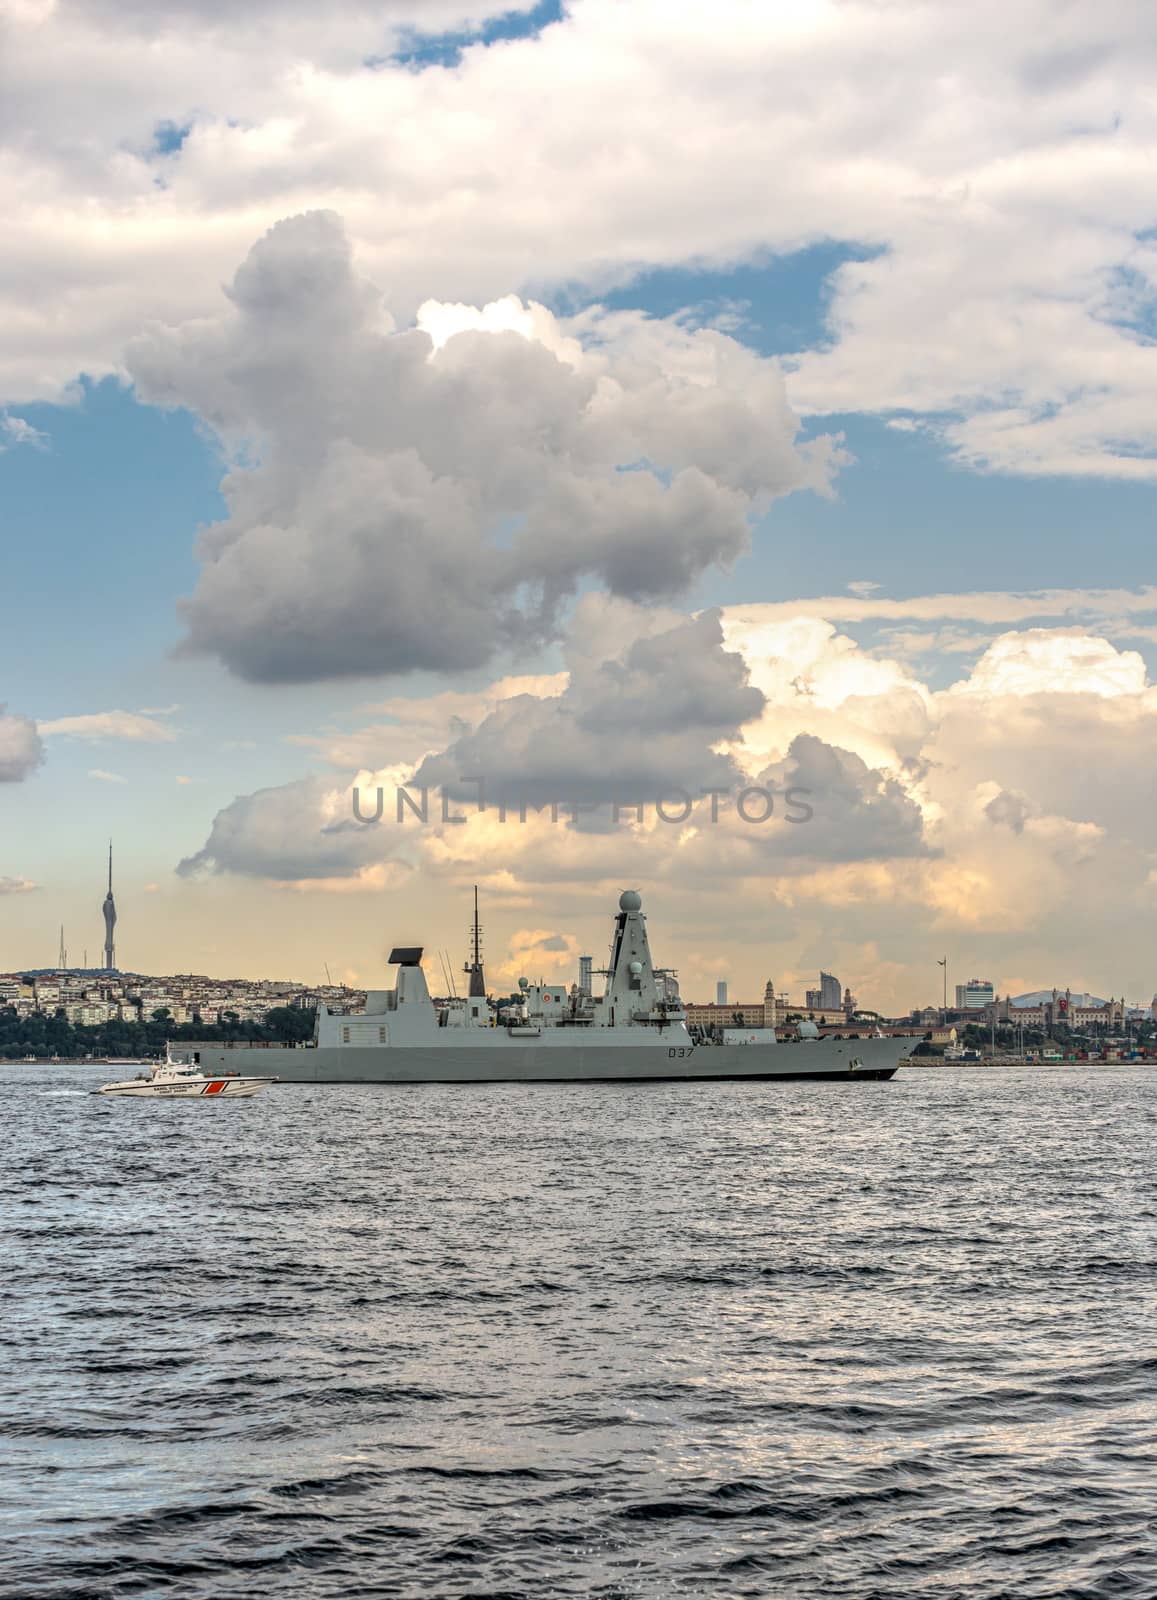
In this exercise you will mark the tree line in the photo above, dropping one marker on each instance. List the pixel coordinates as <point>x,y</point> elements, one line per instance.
<point>45,1035</point>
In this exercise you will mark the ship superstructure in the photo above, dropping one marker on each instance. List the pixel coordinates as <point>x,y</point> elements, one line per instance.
<point>636,1029</point>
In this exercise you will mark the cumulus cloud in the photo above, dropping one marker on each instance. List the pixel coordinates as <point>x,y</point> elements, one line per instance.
<point>1062,720</point>
<point>857,813</point>
<point>1050,661</point>
<point>647,699</point>
<point>654,709</point>
<point>296,832</point>
<point>422,504</point>
<point>967,819</point>
<point>21,751</point>
<point>1012,193</point>
<point>816,680</point>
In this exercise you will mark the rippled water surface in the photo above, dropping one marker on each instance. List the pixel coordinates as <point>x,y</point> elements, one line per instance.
<point>689,1339</point>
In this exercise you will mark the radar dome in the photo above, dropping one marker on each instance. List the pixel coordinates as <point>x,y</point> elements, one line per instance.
<point>630,900</point>
<point>524,983</point>
<point>636,968</point>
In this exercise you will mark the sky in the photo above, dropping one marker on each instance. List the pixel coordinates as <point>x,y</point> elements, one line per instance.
<point>623,405</point>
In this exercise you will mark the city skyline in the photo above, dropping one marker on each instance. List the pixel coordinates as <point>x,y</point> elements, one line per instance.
<point>975,994</point>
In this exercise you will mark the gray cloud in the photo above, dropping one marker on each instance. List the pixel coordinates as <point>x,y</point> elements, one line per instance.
<point>1010,809</point>
<point>21,750</point>
<point>286,834</point>
<point>395,508</point>
<point>859,813</point>
<point>638,718</point>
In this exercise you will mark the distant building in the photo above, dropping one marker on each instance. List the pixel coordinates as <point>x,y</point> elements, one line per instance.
<point>772,1011</point>
<point>1050,1008</point>
<point>586,974</point>
<point>721,992</point>
<point>828,997</point>
<point>974,995</point>
<point>736,1014</point>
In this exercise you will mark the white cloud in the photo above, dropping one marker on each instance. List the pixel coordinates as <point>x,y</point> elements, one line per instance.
<point>16,886</point>
<point>106,777</point>
<point>129,725</point>
<point>416,506</point>
<point>1044,661</point>
<point>16,430</point>
<point>21,751</point>
<point>1004,205</point>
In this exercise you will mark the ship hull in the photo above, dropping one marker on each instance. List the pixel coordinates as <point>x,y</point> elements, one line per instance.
<point>845,1060</point>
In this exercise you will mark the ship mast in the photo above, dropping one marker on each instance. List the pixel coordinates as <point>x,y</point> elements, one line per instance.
<point>477,988</point>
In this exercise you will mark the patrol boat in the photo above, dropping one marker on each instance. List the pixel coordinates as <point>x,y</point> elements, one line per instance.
<point>636,1030</point>
<point>177,1079</point>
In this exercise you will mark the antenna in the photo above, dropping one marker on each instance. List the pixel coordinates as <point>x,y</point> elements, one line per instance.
<point>328,979</point>
<point>449,965</point>
<point>62,960</point>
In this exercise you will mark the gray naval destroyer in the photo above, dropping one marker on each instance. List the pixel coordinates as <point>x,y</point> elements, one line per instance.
<point>636,1030</point>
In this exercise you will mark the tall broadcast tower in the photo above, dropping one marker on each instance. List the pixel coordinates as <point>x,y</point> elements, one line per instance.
<point>110,920</point>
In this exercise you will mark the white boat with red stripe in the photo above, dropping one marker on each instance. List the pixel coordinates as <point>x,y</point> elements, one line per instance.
<point>182,1080</point>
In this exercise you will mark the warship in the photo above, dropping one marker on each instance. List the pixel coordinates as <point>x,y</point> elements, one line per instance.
<point>636,1030</point>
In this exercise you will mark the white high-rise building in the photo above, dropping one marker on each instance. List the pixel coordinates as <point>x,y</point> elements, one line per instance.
<point>721,992</point>
<point>974,995</point>
<point>586,974</point>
